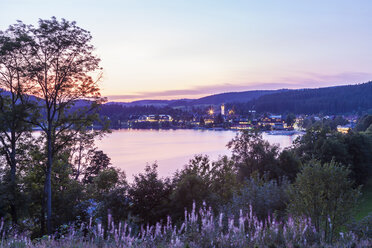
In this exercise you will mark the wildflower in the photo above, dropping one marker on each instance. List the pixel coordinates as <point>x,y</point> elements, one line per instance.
<point>220,220</point>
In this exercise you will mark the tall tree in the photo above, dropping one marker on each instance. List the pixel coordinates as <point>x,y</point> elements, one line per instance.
<point>99,161</point>
<point>15,107</point>
<point>290,119</point>
<point>253,155</point>
<point>150,195</point>
<point>325,194</point>
<point>62,65</point>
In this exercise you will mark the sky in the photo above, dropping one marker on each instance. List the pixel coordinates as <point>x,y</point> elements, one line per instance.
<point>174,49</point>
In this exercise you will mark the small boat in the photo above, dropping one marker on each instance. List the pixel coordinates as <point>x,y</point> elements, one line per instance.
<point>283,132</point>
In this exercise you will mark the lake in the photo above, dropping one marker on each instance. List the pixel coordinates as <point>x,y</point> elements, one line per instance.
<point>130,150</point>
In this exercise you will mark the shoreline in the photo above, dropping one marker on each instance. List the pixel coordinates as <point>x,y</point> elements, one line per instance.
<point>272,132</point>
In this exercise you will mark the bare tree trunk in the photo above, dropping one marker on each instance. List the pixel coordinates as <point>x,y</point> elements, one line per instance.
<point>42,213</point>
<point>48,182</point>
<point>13,183</point>
<point>79,160</point>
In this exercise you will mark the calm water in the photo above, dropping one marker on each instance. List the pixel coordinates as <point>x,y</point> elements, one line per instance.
<point>131,150</point>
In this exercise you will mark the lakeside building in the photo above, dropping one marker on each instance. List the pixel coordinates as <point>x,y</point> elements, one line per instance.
<point>351,118</point>
<point>241,124</point>
<point>208,121</point>
<point>273,122</point>
<point>154,118</point>
<point>344,129</point>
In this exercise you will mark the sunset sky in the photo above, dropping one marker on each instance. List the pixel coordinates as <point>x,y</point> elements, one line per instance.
<point>186,49</point>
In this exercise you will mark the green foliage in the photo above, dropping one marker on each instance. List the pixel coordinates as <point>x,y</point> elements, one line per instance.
<point>202,122</point>
<point>110,190</point>
<point>369,130</point>
<point>203,181</point>
<point>289,164</point>
<point>190,188</point>
<point>364,207</point>
<point>192,184</point>
<point>105,181</point>
<point>364,123</point>
<point>149,195</point>
<point>16,112</point>
<point>362,228</point>
<point>219,119</point>
<point>352,149</point>
<point>290,119</point>
<point>323,123</point>
<point>251,154</point>
<point>98,162</point>
<point>324,193</point>
<point>223,179</point>
<point>66,193</point>
<point>328,100</point>
<point>58,73</point>
<point>263,197</point>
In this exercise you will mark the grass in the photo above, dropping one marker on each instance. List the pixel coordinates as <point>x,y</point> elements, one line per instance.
<point>365,203</point>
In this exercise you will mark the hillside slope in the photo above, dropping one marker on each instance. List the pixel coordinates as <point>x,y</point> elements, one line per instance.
<point>329,100</point>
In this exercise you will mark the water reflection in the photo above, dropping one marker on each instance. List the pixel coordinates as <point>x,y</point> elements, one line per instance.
<point>130,150</point>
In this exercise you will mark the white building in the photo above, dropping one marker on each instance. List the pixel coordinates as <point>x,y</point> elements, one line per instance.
<point>223,109</point>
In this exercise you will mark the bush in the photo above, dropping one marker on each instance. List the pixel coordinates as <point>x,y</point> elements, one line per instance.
<point>325,194</point>
<point>362,228</point>
<point>150,196</point>
<point>265,198</point>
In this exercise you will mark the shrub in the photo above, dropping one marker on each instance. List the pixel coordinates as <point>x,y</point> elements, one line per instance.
<point>264,196</point>
<point>325,194</point>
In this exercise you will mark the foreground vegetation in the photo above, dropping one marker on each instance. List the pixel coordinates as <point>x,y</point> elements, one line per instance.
<point>365,203</point>
<point>258,197</point>
<point>58,189</point>
<point>198,229</point>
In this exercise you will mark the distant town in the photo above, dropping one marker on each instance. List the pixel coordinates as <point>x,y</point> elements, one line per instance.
<point>221,118</point>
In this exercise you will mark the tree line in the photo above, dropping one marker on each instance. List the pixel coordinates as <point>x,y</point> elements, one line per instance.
<point>119,114</point>
<point>329,100</point>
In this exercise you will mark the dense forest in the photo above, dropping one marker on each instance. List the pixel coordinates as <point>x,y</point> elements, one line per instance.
<point>348,99</point>
<point>231,97</point>
<point>330,100</point>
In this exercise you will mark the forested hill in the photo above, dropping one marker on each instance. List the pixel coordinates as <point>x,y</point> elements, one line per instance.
<point>330,100</point>
<point>216,99</point>
<point>244,96</point>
